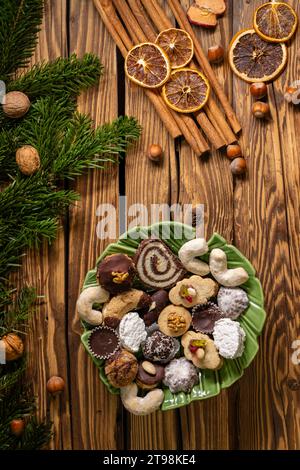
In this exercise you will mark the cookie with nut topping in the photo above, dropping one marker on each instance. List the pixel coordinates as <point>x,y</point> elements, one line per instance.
<point>174,320</point>
<point>192,291</point>
<point>149,375</point>
<point>116,273</point>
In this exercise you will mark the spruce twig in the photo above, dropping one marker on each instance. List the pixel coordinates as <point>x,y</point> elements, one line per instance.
<point>64,76</point>
<point>19,24</point>
<point>31,206</point>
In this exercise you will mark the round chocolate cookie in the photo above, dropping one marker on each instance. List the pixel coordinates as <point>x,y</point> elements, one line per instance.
<point>205,316</point>
<point>121,369</point>
<point>103,342</point>
<point>160,348</point>
<point>159,300</point>
<point>146,380</point>
<point>116,273</point>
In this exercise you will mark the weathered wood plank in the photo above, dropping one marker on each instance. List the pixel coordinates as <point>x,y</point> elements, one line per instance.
<point>205,424</point>
<point>267,413</point>
<point>95,419</point>
<point>45,269</point>
<point>148,183</point>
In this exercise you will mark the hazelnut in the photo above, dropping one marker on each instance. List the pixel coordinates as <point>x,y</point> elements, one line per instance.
<point>238,166</point>
<point>215,54</point>
<point>233,151</point>
<point>260,110</point>
<point>55,385</point>
<point>258,90</point>
<point>15,104</point>
<point>292,94</point>
<point>17,427</point>
<point>28,160</point>
<point>149,367</point>
<point>155,152</point>
<point>14,346</point>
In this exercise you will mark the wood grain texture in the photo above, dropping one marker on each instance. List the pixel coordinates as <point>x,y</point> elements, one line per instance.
<point>263,203</point>
<point>208,182</point>
<point>149,183</point>
<point>259,213</point>
<point>95,418</point>
<point>45,269</point>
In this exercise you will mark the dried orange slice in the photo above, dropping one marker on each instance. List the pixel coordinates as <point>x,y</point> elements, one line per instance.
<point>186,91</point>
<point>275,21</point>
<point>147,65</point>
<point>255,60</point>
<point>178,45</point>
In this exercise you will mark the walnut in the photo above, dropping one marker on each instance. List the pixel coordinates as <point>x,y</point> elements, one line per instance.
<point>176,322</point>
<point>16,104</point>
<point>14,346</point>
<point>28,160</point>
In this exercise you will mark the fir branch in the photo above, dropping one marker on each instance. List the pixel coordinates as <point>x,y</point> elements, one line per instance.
<point>64,76</point>
<point>36,435</point>
<point>19,24</point>
<point>10,375</point>
<point>20,403</point>
<point>84,147</point>
<point>14,318</point>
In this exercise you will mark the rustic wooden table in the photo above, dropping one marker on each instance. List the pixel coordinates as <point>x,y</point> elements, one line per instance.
<point>259,214</point>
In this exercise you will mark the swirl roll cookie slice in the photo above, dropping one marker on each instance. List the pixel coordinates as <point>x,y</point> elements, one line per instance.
<point>157,266</point>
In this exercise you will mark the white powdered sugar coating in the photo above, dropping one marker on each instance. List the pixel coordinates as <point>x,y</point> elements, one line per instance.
<point>181,375</point>
<point>233,301</point>
<point>132,331</point>
<point>229,338</point>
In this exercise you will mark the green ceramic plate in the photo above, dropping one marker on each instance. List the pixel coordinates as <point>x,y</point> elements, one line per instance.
<point>211,382</point>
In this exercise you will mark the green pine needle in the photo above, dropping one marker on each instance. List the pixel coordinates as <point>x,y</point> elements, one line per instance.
<point>31,206</point>
<point>19,24</point>
<point>63,76</point>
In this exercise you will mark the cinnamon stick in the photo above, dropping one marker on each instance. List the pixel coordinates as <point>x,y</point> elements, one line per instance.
<point>137,10</point>
<point>212,108</point>
<point>159,17</point>
<point>186,123</point>
<point>124,43</point>
<point>184,23</point>
<point>162,22</point>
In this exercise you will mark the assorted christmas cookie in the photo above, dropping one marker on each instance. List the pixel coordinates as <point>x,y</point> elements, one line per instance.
<point>181,375</point>
<point>116,273</point>
<point>205,316</point>
<point>163,335</point>
<point>124,303</point>
<point>132,331</point>
<point>189,253</point>
<point>233,301</point>
<point>229,338</point>
<point>160,348</point>
<point>121,369</point>
<point>192,291</point>
<point>149,375</point>
<point>201,350</point>
<point>174,321</point>
<point>159,300</point>
<point>103,342</point>
<point>157,266</point>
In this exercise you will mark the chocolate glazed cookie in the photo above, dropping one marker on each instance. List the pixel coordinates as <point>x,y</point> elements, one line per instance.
<point>156,265</point>
<point>149,375</point>
<point>116,273</point>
